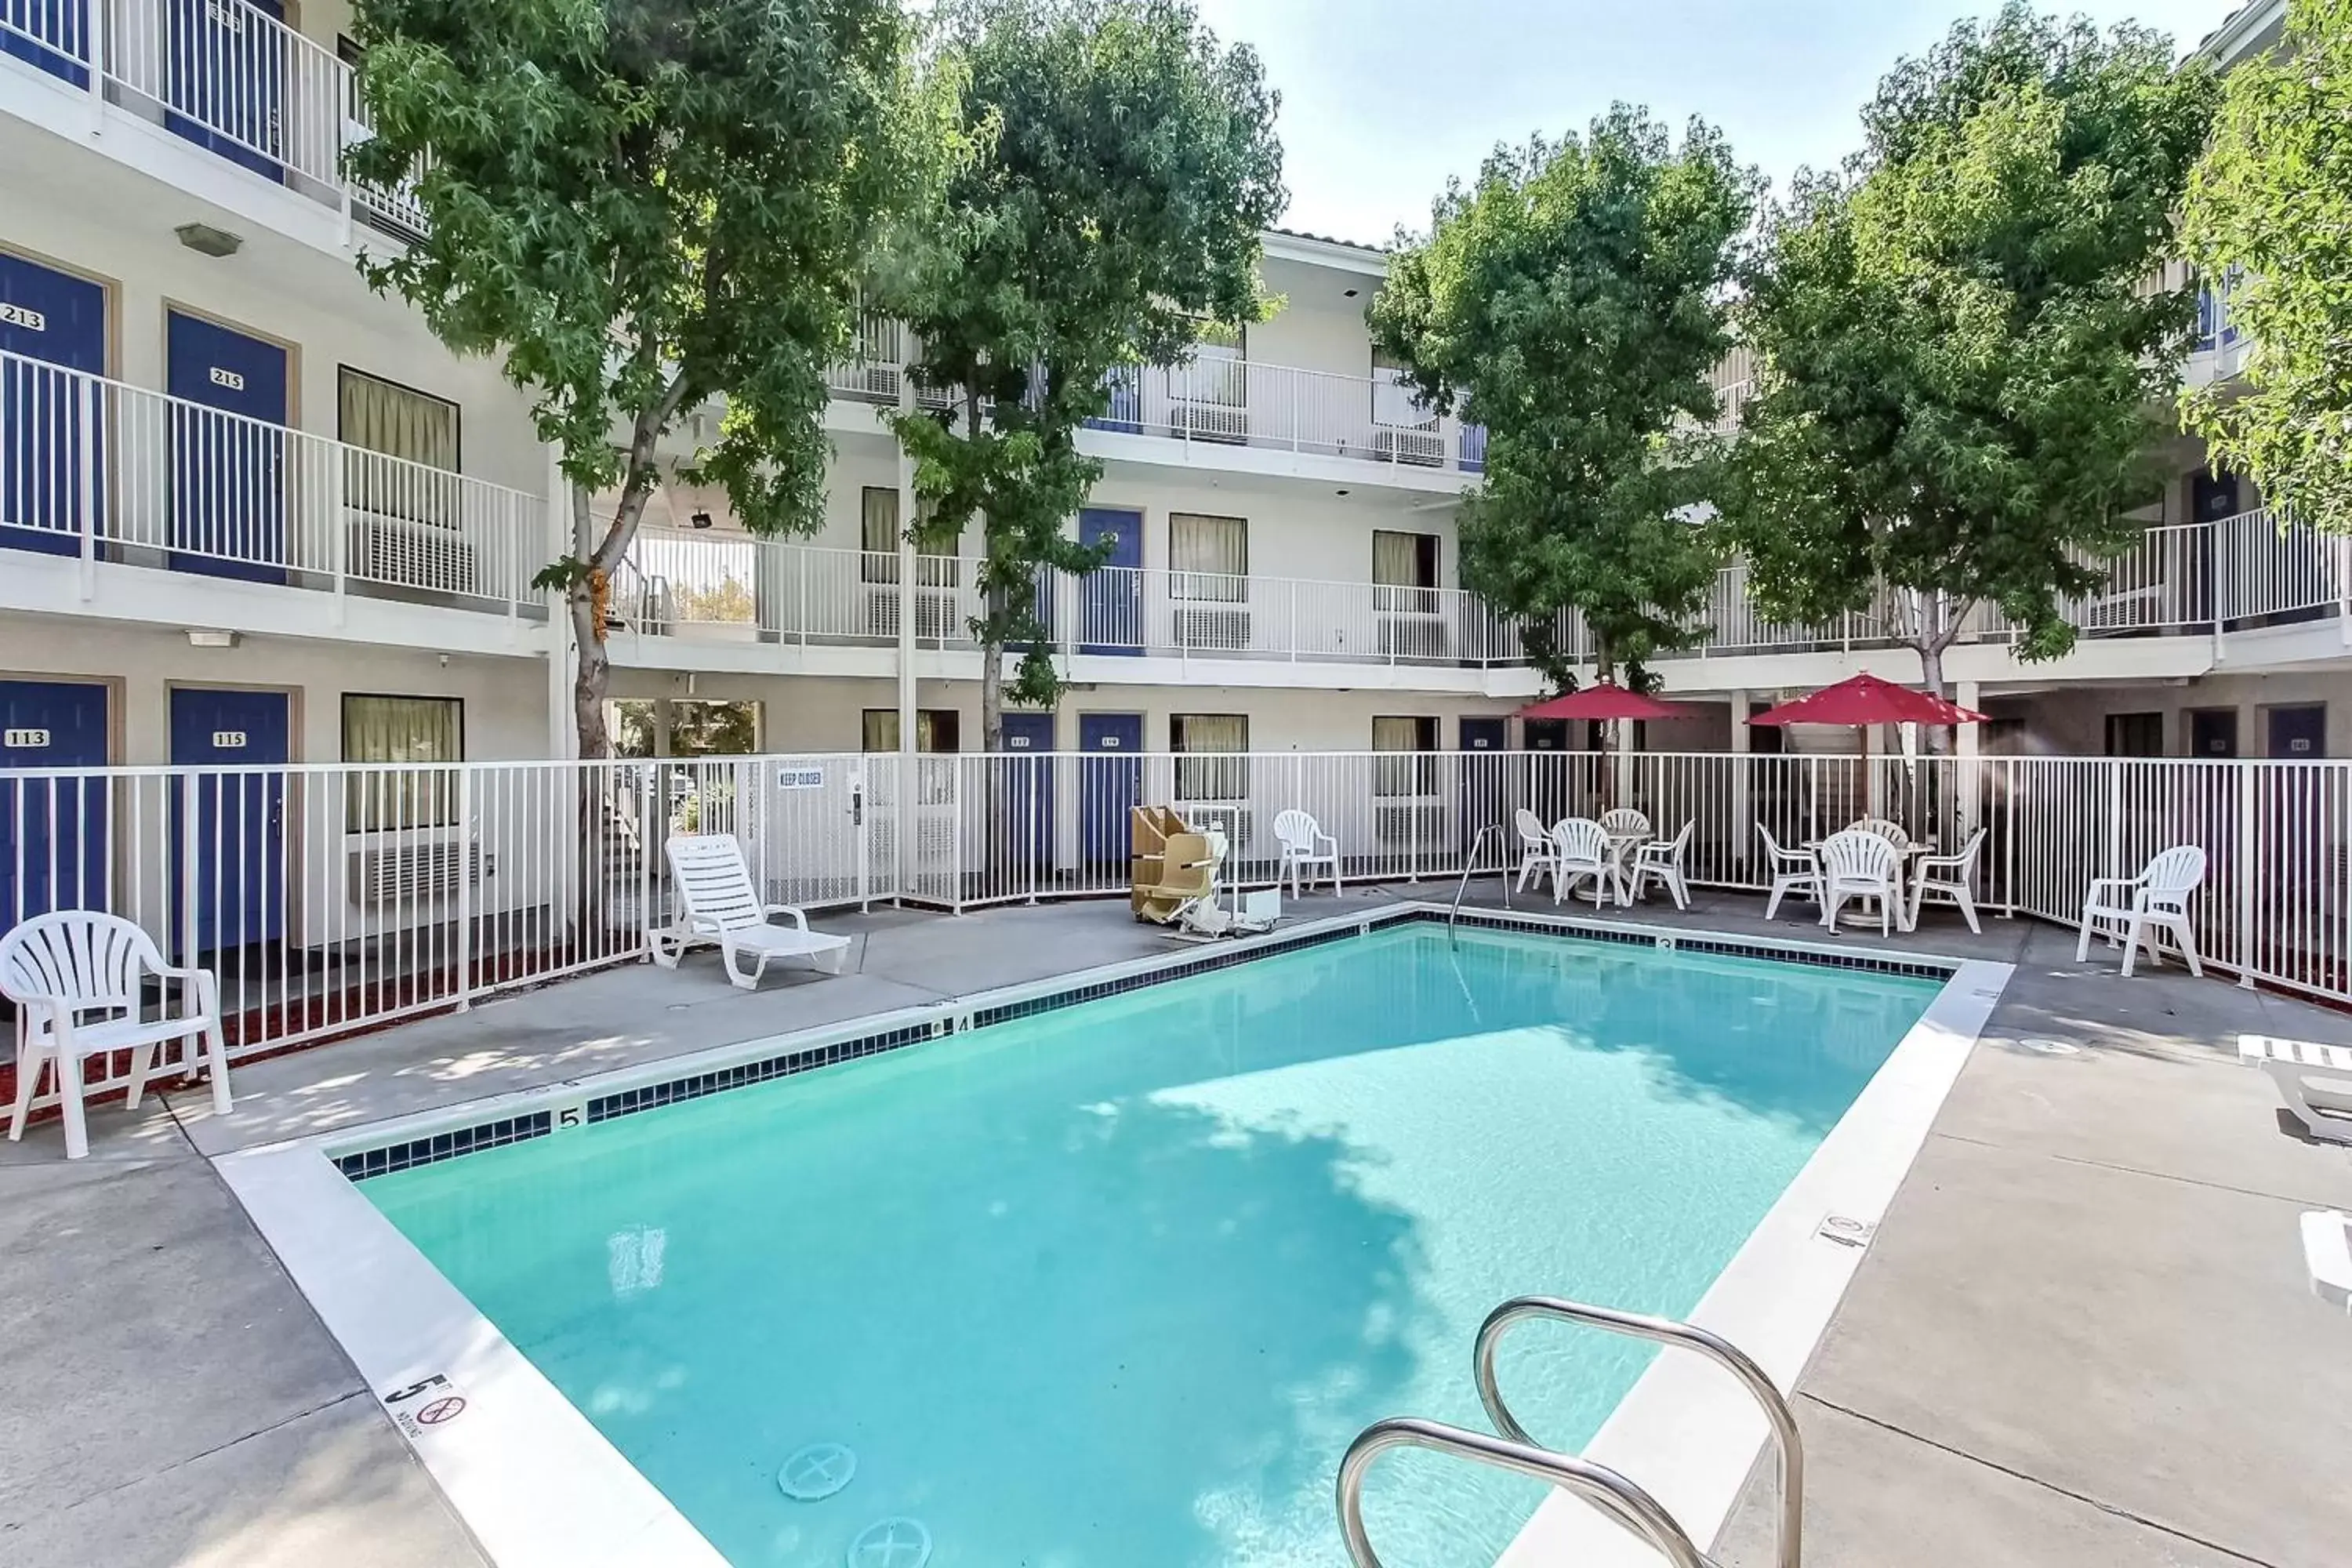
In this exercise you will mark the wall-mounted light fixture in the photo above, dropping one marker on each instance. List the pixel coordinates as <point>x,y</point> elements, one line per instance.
<point>699,519</point>
<point>203,637</point>
<point>206,240</point>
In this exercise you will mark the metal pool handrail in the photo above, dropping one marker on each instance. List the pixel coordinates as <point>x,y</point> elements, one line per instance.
<point>1471,864</point>
<point>1789,1536</point>
<point>1623,1502</point>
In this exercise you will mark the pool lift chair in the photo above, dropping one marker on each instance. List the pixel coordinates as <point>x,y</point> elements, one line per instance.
<point>1185,897</point>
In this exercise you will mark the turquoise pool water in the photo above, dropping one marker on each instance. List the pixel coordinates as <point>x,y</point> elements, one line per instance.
<point>1112,1287</point>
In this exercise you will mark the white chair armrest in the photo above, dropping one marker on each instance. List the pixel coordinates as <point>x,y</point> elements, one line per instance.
<point>206,982</point>
<point>799,919</point>
<point>2091,893</point>
<point>1328,838</point>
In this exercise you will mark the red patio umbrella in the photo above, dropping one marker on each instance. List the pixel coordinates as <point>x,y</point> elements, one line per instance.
<point>1863,701</point>
<point>1603,701</point>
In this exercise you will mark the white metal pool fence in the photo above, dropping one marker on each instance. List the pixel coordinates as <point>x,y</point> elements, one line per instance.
<point>333,898</point>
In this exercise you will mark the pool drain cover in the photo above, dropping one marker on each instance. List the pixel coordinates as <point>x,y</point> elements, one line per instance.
<point>2053,1047</point>
<point>891,1543</point>
<point>816,1472</point>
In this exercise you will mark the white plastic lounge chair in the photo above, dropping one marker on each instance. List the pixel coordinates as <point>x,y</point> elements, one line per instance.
<point>1660,861</point>
<point>2328,1255</point>
<point>1582,845</point>
<point>61,968</point>
<point>716,903</point>
<point>1949,877</point>
<point>2134,910</point>
<point>1860,866</point>
<point>1793,871</point>
<point>2314,1081</point>
<point>1538,856</point>
<point>1305,846</point>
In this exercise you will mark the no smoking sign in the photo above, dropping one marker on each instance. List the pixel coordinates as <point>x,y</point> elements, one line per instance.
<point>425,1406</point>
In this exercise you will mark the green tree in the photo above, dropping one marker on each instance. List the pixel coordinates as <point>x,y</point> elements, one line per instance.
<point>2270,215</point>
<point>1129,165</point>
<point>1571,301</point>
<point>639,206</point>
<point>1959,376</point>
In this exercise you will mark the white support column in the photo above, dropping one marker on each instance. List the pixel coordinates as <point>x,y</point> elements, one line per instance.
<point>1740,829</point>
<point>1966,747</point>
<point>563,736</point>
<point>1624,763</point>
<point>903,839</point>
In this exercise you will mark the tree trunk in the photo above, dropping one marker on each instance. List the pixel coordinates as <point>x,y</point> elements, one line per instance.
<point>588,685</point>
<point>1931,675</point>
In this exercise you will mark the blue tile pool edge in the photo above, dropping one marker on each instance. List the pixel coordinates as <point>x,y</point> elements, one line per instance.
<point>626,1091</point>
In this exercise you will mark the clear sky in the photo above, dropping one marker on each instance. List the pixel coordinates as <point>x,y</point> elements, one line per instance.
<point>1383,99</point>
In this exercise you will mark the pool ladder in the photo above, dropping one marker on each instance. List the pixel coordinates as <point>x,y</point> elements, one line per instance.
<point>1621,1498</point>
<point>1471,864</point>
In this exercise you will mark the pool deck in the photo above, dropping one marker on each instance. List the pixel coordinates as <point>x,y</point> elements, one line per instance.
<point>2082,1337</point>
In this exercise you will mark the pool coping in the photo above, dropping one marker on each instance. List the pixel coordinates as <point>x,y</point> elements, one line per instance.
<point>536,1483</point>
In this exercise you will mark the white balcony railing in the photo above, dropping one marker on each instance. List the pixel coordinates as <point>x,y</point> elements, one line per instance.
<point>109,472</point>
<point>1212,403</point>
<point>225,75</point>
<point>2184,579</point>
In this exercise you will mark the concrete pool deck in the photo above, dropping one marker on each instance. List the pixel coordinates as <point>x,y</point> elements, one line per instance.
<point>2082,1337</point>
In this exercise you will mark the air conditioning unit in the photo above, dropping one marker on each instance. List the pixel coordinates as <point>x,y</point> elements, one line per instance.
<point>1208,421</point>
<point>1420,449</point>
<point>413,873</point>
<point>1237,823</point>
<point>866,378</point>
<point>1219,628</point>
<point>411,554</point>
<point>1407,822</point>
<point>935,614</point>
<point>1408,636</point>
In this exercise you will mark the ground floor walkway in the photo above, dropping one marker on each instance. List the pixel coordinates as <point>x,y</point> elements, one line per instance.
<point>2081,1338</point>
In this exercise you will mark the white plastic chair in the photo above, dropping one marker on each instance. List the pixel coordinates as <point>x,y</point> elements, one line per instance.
<point>60,968</point>
<point>1304,847</point>
<point>1538,856</point>
<point>1860,866</point>
<point>1624,822</point>
<point>1583,846</point>
<point>1952,877</point>
<point>1793,871</point>
<point>1660,861</point>
<point>717,903</point>
<point>2134,910</point>
<point>1894,833</point>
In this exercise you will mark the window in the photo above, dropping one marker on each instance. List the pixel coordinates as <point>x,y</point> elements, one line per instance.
<point>1405,775</point>
<point>1219,372</point>
<point>935,729</point>
<point>383,417</point>
<point>1210,557</point>
<point>1209,764</point>
<point>2135,734</point>
<point>1403,563</point>
<point>1396,402</point>
<point>878,537</point>
<point>405,729</point>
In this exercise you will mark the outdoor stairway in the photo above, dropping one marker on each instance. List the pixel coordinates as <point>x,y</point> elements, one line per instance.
<point>1617,1496</point>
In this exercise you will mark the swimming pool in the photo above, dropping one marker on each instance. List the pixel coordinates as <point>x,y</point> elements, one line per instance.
<point>1116,1283</point>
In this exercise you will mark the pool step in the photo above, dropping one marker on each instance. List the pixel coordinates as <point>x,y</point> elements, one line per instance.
<point>1615,1495</point>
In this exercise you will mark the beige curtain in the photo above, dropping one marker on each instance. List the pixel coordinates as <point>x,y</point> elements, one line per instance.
<point>376,415</point>
<point>1209,556</point>
<point>1403,563</point>
<point>881,729</point>
<point>1221,774</point>
<point>401,730</point>
<point>1411,775</point>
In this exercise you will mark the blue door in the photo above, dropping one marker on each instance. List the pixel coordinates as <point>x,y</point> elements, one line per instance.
<point>1484,741</point>
<point>228,467</point>
<point>1110,601</point>
<point>225,78</point>
<point>52,33</point>
<point>1111,777</point>
<point>52,830</point>
<point>1029,810</point>
<point>2298,734</point>
<point>240,828</point>
<point>57,319</point>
